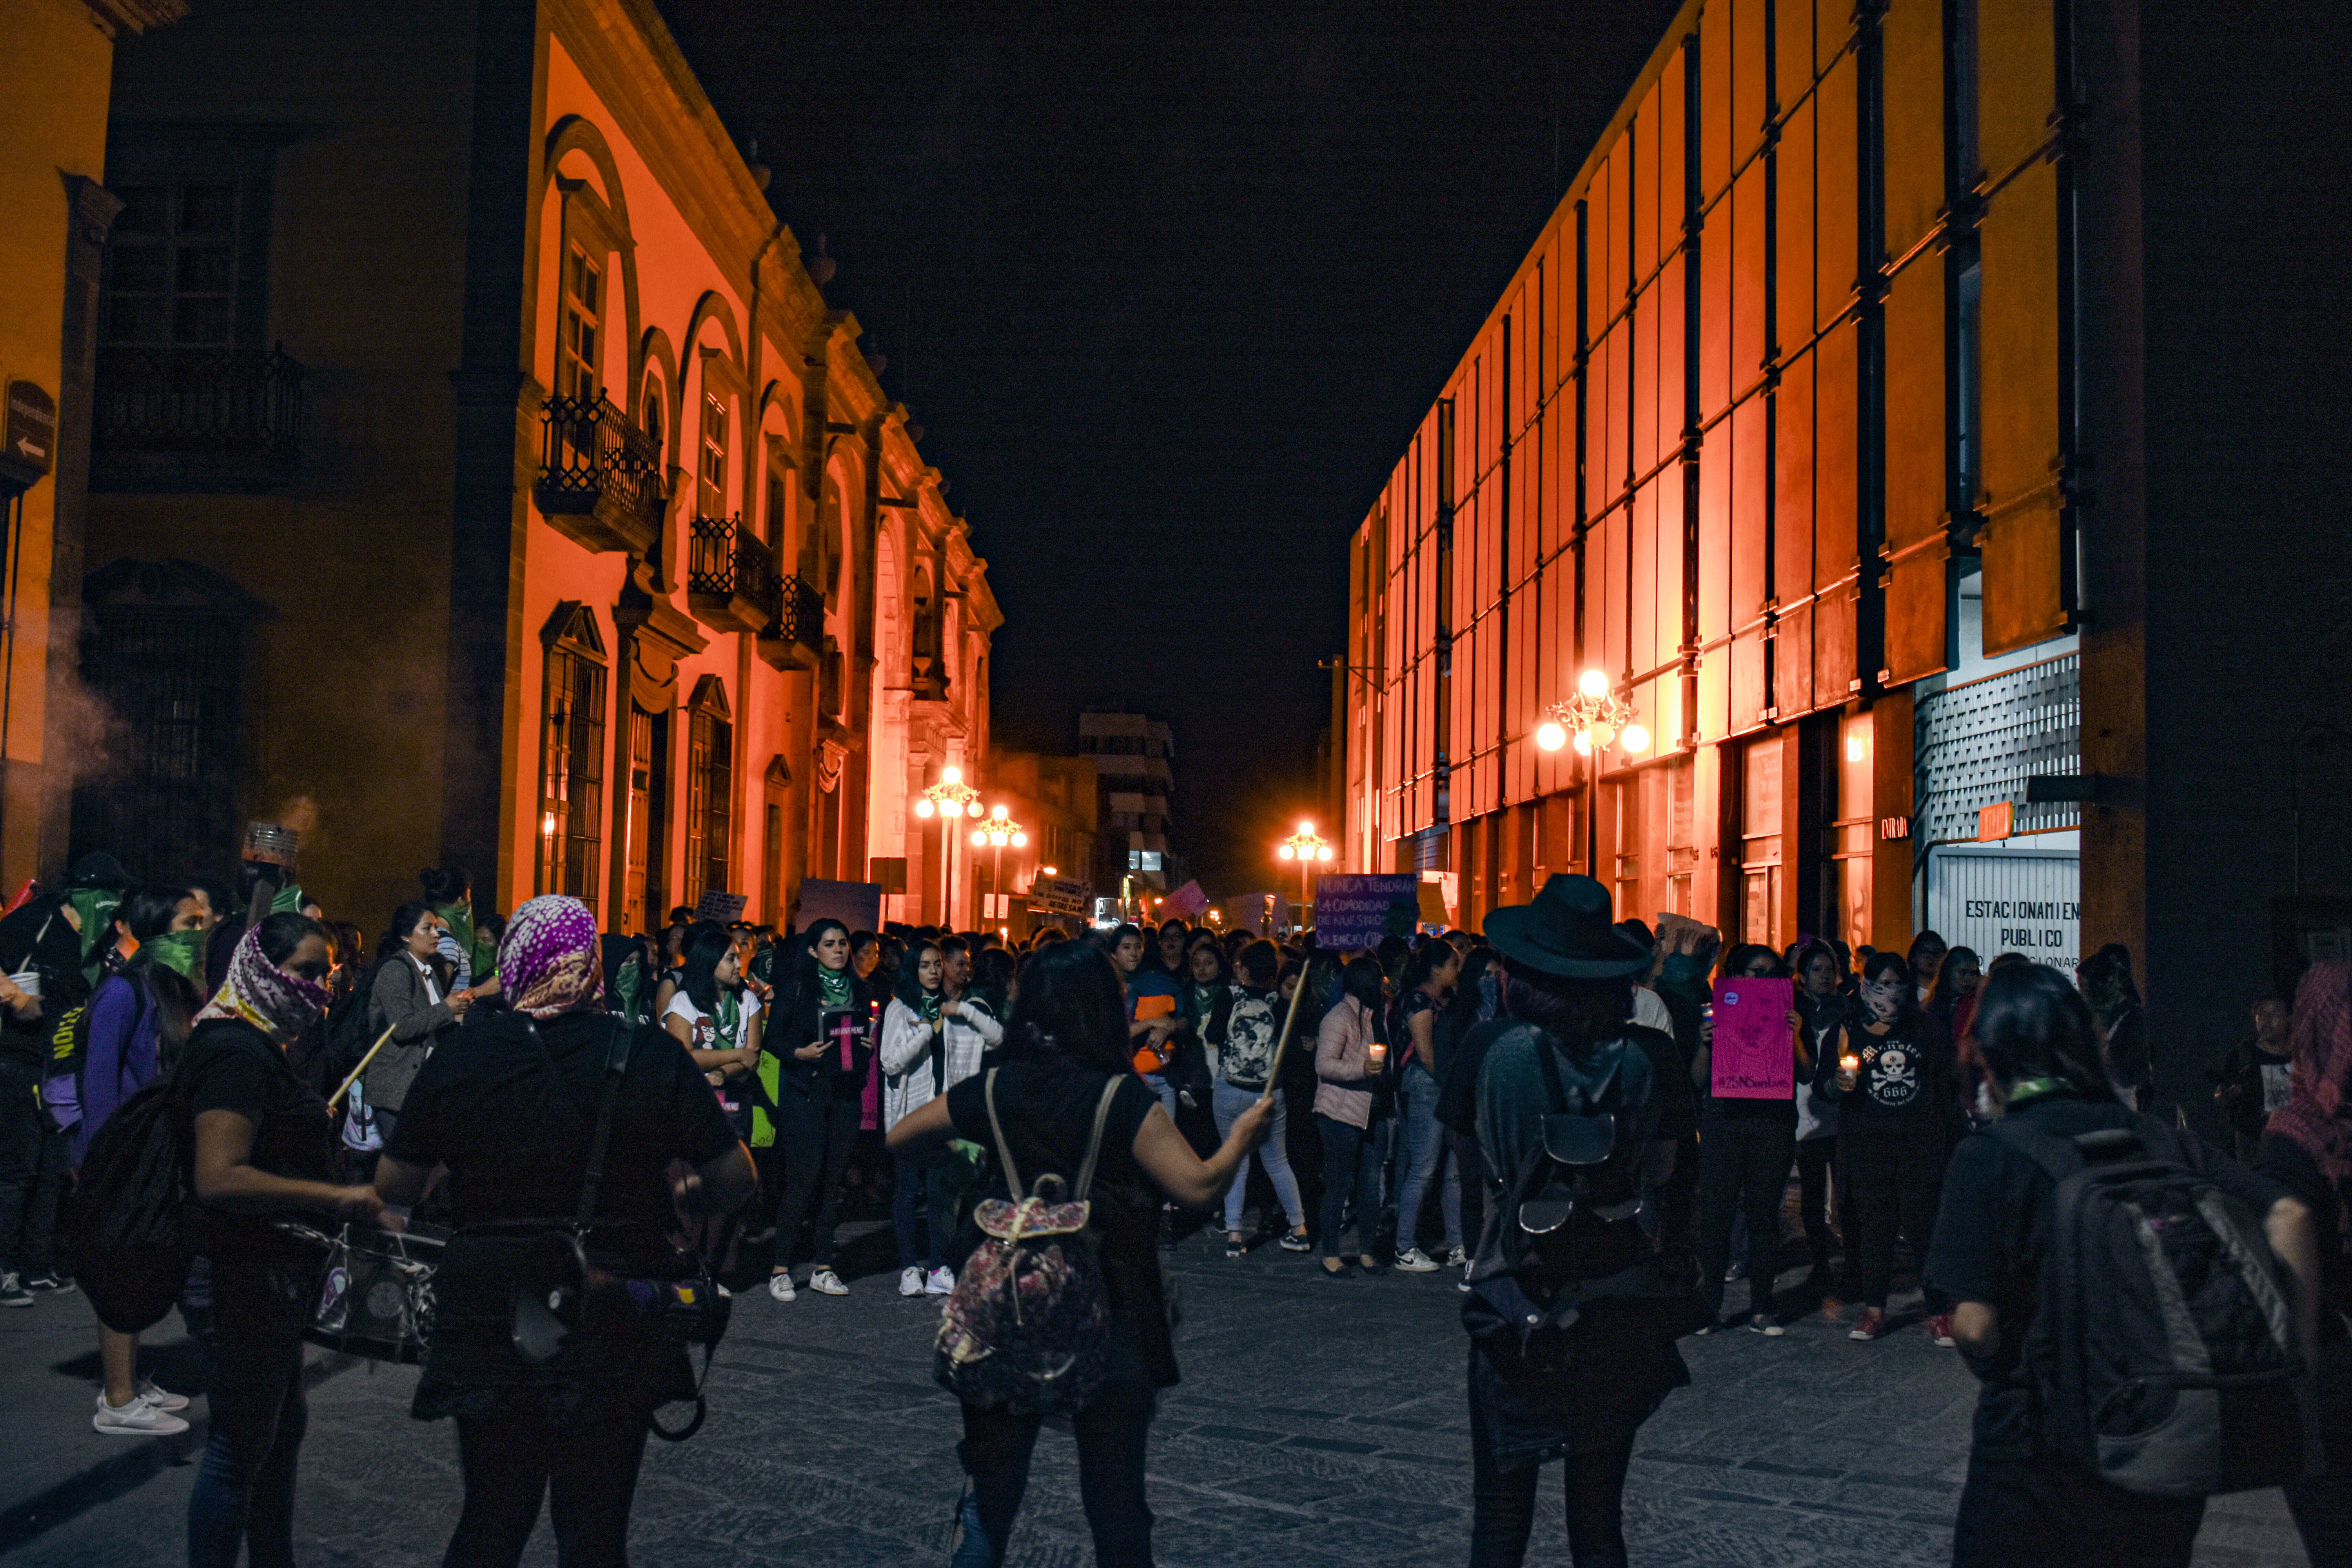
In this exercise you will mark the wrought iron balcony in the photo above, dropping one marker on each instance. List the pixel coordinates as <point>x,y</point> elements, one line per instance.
<point>195,419</point>
<point>731,576</point>
<point>600,476</point>
<point>795,633</point>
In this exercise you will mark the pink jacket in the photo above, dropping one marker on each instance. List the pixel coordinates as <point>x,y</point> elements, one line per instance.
<point>1342,1052</point>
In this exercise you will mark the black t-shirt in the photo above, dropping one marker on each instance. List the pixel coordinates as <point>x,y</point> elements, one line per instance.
<point>228,1064</point>
<point>1994,1226</point>
<point>1905,1078</point>
<point>39,934</point>
<point>1457,1095</point>
<point>1047,1108</point>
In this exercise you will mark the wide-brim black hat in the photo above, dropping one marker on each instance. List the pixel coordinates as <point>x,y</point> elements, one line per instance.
<point>1569,931</point>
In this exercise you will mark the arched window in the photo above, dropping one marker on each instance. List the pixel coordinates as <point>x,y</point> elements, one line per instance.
<point>710,789</point>
<point>649,410</point>
<point>572,753</point>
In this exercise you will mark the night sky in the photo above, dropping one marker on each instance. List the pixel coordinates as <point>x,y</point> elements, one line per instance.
<point>1169,288</point>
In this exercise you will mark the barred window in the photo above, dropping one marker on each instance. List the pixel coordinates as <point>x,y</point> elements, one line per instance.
<point>572,755</point>
<point>710,791</point>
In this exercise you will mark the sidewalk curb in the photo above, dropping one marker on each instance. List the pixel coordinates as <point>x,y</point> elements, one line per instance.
<point>24,1523</point>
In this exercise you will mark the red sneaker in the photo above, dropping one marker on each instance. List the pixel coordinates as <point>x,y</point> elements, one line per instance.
<point>1940,1325</point>
<point>1873,1325</point>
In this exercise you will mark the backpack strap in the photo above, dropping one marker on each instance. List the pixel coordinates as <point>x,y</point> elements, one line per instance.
<point>616,1061</point>
<point>1093,1141</point>
<point>1004,1149</point>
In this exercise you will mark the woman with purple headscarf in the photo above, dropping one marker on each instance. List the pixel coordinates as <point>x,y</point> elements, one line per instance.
<point>506,1111</point>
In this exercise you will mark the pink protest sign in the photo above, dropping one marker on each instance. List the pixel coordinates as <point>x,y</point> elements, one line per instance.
<point>1755,1054</point>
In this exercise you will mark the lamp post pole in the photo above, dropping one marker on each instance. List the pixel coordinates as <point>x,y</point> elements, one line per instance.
<point>1594,719</point>
<point>999,830</point>
<point>947,799</point>
<point>1309,848</point>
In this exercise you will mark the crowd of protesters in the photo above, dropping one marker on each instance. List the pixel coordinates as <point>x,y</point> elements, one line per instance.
<point>1371,1106</point>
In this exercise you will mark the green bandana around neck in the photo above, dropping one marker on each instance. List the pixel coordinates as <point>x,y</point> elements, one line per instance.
<point>176,950</point>
<point>833,987</point>
<point>931,1002</point>
<point>2026,1090</point>
<point>96,908</point>
<point>288,900</point>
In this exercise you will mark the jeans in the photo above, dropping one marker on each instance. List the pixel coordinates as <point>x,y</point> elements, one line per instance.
<point>1229,1103</point>
<point>1424,1148</point>
<point>1743,1162</point>
<point>1503,1503</point>
<point>34,1160</point>
<point>1110,1431</point>
<point>587,1472</point>
<point>1898,1180</point>
<point>816,1136</point>
<point>1352,1163</point>
<point>244,1490</point>
<point>2048,1512</point>
<point>910,1213</point>
<point>1164,1089</point>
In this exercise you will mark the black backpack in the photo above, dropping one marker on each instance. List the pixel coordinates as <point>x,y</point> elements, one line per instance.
<point>129,1227</point>
<point>348,1033</point>
<point>2162,1346</point>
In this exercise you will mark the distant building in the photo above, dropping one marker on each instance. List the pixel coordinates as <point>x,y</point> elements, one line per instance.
<point>1133,756</point>
<point>1056,801</point>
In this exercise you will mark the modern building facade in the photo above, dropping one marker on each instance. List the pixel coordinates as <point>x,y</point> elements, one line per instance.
<point>1920,413</point>
<point>1134,757</point>
<point>481,477</point>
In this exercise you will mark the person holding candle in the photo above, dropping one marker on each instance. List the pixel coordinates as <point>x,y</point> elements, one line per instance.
<point>1744,1147</point>
<point>1350,1103</point>
<point>1890,1071</point>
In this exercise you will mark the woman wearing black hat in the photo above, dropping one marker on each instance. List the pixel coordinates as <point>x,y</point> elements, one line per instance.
<point>1578,1387</point>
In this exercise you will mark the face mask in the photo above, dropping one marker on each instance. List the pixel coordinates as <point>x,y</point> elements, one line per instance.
<point>176,950</point>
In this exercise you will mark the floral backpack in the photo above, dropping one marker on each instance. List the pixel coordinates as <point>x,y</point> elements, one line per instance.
<point>1027,1327</point>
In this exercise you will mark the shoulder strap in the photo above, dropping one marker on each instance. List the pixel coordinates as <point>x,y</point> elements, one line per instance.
<point>1093,1141</point>
<point>1004,1149</point>
<point>1548,1057</point>
<point>616,1061</point>
<point>2058,1157</point>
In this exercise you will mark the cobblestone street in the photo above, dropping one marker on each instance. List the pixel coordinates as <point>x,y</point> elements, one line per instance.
<point>1325,1418</point>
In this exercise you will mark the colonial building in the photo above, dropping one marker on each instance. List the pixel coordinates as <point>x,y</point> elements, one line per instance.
<point>482,478</point>
<point>55,75</point>
<point>1912,413</point>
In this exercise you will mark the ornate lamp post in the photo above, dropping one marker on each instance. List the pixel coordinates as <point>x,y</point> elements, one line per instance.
<point>1593,719</point>
<point>1000,830</point>
<point>1307,847</point>
<point>950,798</point>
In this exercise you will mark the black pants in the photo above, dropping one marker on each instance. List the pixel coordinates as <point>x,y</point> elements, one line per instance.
<point>34,1160</point>
<point>1743,1162</point>
<point>1471,1161</point>
<point>2048,1512</point>
<point>244,1488</point>
<point>1503,1503</point>
<point>1817,1165</point>
<point>1351,1167</point>
<point>2322,1506</point>
<point>816,1136</point>
<point>1111,1432</point>
<point>1898,1179</point>
<point>587,1471</point>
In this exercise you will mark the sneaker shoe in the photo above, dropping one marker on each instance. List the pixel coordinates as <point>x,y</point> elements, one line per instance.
<point>136,1419</point>
<point>1873,1325</point>
<point>161,1398</point>
<point>826,1282</point>
<point>12,1292</point>
<point>1940,1325</point>
<point>50,1284</point>
<point>1457,1258</point>
<point>910,1282</point>
<point>1234,1246</point>
<point>1293,1242</point>
<point>1737,1272</point>
<point>1413,1260</point>
<point>780,1285</point>
<point>1767,1325</point>
<point>942,1282</point>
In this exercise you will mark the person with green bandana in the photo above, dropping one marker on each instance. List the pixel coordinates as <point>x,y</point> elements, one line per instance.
<point>139,1018</point>
<point>474,953</point>
<point>819,1098</point>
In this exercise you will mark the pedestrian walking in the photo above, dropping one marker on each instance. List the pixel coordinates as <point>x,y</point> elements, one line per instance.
<point>1041,1109</point>
<point>2029,1501</point>
<point>1890,1072</point>
<point>1426,985</point>
<point>1745,1146</point>
<point>263,1149</point>
<point>2256,1077</point>
<point>819,1100</point>
<point>1353,1101</point>
<point>2106,980</point>
<point>508,1113</point>
<point>1245,1022</point>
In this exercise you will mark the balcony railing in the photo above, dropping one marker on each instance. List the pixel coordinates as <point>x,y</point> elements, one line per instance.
<point>600,476</point>
<point>731,575</point>
<point>195,419</point>
<point>795,630</point>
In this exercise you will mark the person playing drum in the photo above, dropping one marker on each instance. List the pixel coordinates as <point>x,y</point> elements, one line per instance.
<point>508,1110</point>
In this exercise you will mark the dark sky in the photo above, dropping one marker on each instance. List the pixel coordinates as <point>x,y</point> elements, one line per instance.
<point>1169,288</point>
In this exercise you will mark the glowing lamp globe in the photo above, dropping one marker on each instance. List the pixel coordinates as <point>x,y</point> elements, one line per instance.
<point>1603,734</point>
<point>1020,841</point>
<point>951,775</point>
<point>978,837</point>
<point>1550,736</point>
<point>922,808</point>
<point>1324,853</point>
<point>1592,683</point>
<point>1000,811</point>
<point>1305,826</point>
<point>1583,744</point>
<point>1288,853</point>
<point>1636,740</point>
<point>951,808</point>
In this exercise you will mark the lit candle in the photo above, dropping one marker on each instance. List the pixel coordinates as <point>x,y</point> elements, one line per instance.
<point>1849,1064</point>
<point>1377,1056</point>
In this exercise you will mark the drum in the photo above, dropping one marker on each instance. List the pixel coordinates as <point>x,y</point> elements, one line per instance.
<point>375,1298</point>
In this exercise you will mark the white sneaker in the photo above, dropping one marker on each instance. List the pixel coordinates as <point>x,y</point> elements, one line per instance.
<point>826,1282</point>
<point>136,1419</point>
<point>161,1398</point>
<point>910,1282</point>
<point>941,1283</point>
<point>1413,1260</point>
<point>1457,1258</point>
<point>780,1285</point>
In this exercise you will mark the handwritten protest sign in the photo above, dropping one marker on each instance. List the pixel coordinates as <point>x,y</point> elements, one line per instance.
<point>1754,1051</point>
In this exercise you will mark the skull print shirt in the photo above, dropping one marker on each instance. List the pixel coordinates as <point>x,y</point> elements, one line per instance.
<point>1898,1075</point>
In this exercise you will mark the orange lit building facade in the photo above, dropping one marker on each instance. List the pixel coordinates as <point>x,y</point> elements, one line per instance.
<point>560,530</point>
<point>1874,413</point>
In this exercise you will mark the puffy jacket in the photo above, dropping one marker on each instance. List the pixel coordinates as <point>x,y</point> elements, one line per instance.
<point>910,1079</point>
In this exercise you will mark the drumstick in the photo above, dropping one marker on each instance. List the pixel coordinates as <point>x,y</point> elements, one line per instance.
<point>1281,1042</point>
<point>336,1099</point>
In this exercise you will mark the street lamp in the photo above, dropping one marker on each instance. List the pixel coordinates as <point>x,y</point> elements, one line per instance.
<point>1593,719</point>
<point>950,798</point>
<point>1307,849</point>
<point>1000,830</point>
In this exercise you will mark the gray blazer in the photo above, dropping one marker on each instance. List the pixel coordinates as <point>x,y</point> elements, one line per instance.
<point>397,1001</point>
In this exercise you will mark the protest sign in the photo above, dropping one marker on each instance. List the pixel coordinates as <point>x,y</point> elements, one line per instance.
<point>1755,1053</point>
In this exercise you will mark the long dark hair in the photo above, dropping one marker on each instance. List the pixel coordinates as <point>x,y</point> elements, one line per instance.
<point>910,988</point>
<point>1072,1009</point>
<point>1883,964</point>
<point>1941,997</point>
<point>1469,992</point>
<point>1208,939</point>
<point>1424,962</point>
<point>2030,1023</point>
<point>395,935</point>
<point>147,913</point>
<point>2107,981</point>
<point>445,884</point>
<point>798,987</point>
<point>1580,1016</point>
<point>1361,977</point>
<point>699,978</point>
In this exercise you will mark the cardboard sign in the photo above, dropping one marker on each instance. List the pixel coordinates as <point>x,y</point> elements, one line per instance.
<point>1186,903</point>
<point>722,909</point>
<point>1061,896</point>
<point>1755,1053</point>
<point>1357,912</point>
<point>857,905</point>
